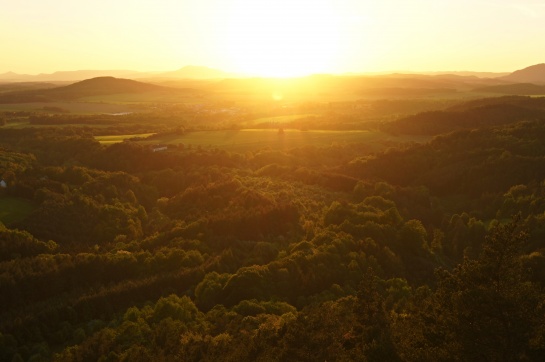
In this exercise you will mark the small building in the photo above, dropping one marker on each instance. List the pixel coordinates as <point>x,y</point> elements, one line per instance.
<point>159,148</point>
<point>3,184</point>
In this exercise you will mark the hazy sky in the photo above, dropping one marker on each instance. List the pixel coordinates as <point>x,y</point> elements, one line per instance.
<point>280,37</point>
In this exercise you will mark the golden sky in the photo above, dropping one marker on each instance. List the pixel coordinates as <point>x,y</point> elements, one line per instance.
<point>278,38</point>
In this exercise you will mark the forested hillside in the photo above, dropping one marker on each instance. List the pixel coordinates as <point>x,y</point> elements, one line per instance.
<point>473,114</point>
<point>429,251</point>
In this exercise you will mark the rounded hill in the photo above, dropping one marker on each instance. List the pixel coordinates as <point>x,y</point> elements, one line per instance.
<point>104,86</point>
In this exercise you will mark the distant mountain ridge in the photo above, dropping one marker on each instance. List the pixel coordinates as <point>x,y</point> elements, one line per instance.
<point>196,72</point>
<point>66,76</point>
<point>187,72</point>
<point>531,74</point>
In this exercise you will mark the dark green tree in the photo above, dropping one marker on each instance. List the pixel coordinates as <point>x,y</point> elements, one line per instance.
<point>487,308</point>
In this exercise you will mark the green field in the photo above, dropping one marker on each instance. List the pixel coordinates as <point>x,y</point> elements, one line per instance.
<point>13,209</point>
<point>108,140</point>
<point>278,120</point>
<point>252,139</point>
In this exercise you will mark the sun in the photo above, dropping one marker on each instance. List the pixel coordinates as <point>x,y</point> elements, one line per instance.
<point>282,38</point>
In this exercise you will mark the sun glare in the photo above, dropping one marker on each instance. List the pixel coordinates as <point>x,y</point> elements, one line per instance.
<point>282,38</point>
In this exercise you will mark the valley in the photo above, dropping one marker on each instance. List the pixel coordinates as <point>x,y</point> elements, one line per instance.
<point>392,217</point>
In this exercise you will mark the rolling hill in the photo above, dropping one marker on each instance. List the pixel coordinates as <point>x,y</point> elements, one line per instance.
<point>523,89</point>
<point>481,113</point>
<point>25,86</point>
<point>531,74</point>
<point>103,86</point>
<point>100,86</point>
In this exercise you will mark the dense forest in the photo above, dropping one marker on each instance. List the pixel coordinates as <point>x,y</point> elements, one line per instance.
<point>422,251</point>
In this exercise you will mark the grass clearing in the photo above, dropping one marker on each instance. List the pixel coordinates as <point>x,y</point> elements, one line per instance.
<point>14,209</point>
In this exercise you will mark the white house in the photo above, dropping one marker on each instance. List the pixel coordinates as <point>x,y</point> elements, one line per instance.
<point>3,184</point>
